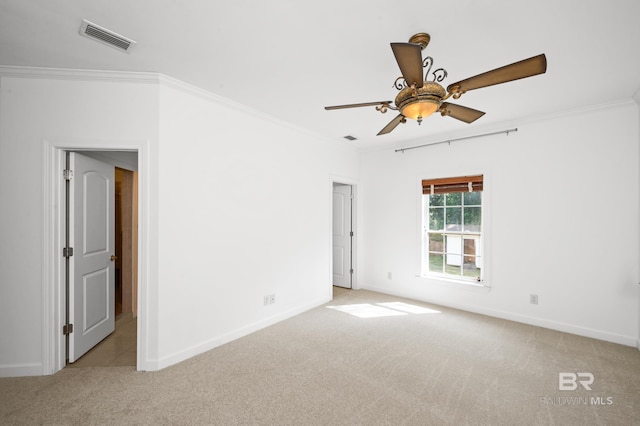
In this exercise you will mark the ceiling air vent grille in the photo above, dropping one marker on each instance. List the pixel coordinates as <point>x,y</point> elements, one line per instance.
<point>91,30</point>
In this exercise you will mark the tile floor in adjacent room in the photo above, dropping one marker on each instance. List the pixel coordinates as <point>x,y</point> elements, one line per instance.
<point>118,349</point>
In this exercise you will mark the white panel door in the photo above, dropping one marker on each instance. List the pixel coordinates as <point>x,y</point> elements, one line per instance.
<point>91,269</point>
<point>342,236</point>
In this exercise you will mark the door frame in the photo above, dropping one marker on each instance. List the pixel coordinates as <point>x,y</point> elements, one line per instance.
<point>354,226</point>
<point>54,230</point>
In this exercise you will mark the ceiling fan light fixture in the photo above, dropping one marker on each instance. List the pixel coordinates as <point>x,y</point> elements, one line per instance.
<point>418,99</point>
<point>418,104</point>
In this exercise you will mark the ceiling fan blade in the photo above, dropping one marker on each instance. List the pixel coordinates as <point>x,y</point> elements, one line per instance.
<point>358,105</point>
<point>522,69</point>
<point>392,125</point>
<point>459,112</point>
<point>409,59</point>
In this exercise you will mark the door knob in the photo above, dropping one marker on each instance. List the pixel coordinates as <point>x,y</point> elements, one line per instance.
<point>113,257</point>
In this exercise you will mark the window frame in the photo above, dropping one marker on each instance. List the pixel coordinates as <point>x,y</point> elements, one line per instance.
<point>482,237</point>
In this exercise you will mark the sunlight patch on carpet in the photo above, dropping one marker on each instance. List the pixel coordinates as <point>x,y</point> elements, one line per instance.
<point>367,310</point>
<point>411,309</point>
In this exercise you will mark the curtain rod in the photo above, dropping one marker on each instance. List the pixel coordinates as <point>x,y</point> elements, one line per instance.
<point>458,139</point>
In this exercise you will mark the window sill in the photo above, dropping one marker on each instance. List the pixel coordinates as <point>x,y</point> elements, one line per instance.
<point>447,280</point>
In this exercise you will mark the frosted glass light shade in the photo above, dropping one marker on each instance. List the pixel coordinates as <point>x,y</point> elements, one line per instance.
<point>420,108</point>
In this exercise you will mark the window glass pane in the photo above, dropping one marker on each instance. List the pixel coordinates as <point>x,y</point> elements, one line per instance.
<point>469,247</point>
<point>472,198</point>
<point>472,219</point>
<point>471,267</point>
<point>435,262</point>
<point>436,218</point>
<point>454,199</point>
<point>454,254</point>
<point>453,218</point>
<point>450,268</point>
<point>436,243</point>
<point>436,200</point>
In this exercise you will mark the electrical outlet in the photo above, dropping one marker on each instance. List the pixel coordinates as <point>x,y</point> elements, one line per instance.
<point>269,299</point>
<point>533,299</point>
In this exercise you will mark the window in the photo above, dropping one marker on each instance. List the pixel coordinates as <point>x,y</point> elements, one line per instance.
<point>452,227</point>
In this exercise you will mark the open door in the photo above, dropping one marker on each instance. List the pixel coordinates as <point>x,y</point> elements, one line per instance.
<point>342,235</point>
<point>91,267</point>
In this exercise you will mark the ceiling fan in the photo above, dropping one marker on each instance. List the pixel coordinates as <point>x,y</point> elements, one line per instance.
<point>419,98</point>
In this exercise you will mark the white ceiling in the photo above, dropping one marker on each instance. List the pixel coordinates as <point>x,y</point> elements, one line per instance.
<point>290,58</point>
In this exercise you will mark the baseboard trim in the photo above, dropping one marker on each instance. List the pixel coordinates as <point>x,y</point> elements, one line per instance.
<point>524,319</point>
<point>200,348</point>
<point>21,370</point>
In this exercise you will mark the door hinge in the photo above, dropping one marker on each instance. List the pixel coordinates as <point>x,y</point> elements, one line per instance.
<point>351,270</point>
<point>351,234</point>
<point>67,329</point>
<point>67,252</point>
<point>67,174</point>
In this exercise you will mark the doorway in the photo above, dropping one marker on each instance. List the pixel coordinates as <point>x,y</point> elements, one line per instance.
<point>124,154</point>
<point>116,172</point>
<point>129,153</point>
<point>343,235</point>
<point>108,304</point>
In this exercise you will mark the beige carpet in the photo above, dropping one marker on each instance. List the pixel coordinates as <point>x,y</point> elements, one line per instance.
<point>386,360</point>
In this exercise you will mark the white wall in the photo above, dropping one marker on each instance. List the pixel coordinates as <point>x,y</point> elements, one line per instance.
<point>236,206</point>
<point>575,245</point>
<point>245,211</point>
<point>123,159</point>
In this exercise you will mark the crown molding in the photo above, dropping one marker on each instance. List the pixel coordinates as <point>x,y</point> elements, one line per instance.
<point>78,74</point>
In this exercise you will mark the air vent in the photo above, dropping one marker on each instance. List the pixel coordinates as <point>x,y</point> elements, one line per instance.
<point>104,36</point>
<point>350,138</point>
